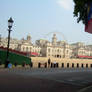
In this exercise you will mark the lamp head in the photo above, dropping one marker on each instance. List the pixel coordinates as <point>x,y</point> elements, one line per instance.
<point>10,23</point>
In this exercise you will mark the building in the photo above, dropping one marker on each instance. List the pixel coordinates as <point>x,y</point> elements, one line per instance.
<point>45,48</point>
<point>80,49</point>
<point>27,46</point>
<point>57,49</point>
<point>23,45</point>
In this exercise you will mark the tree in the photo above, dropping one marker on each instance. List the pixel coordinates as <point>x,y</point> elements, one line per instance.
<point>80,10</point>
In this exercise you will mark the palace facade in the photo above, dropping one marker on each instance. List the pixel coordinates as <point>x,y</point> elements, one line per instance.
<point>45,48</point>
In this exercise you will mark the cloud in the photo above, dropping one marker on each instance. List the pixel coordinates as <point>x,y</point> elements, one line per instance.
<point>66,4</point>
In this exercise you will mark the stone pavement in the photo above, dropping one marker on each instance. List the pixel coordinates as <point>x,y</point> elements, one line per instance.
<point>77,77</point>
<point>86,89</point>
<point>12,82</point>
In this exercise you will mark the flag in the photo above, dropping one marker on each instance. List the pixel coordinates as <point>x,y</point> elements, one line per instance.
<point>88,25</point>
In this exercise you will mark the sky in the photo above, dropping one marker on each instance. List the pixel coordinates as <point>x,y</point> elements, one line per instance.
<point>42,18</point>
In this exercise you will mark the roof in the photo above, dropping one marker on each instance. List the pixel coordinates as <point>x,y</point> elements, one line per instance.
<point>34,53</point>
<point>81,56</point>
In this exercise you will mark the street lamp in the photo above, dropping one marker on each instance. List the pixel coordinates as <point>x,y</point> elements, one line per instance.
<point>10,23</point>
<point>0,39</point>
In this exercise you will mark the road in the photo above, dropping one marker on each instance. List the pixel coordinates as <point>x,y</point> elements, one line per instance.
<point>78,77</point>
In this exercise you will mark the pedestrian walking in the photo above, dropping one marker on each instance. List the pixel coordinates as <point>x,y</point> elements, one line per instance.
<point>49,61</point>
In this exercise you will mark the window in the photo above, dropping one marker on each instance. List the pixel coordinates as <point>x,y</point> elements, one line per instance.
<point>67,51</point>
<point>48,54</point>
<point>26,48</point>
<point>58,50</point>
<point>30,48</point>
<point>48,50</point>
<point>23,48</point>
<point>57,56</point>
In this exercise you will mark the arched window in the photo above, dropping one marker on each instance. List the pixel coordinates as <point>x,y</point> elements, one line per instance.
<point>57,56</point>
<point>27,49</point>
<point>23,48</point>
<point>49,50</point>
<point>67,51</point>
<point>30,48</point>
<point>58,50</point>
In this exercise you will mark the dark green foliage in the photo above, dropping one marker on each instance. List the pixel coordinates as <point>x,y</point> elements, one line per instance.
<point>14,58</point>
<point>80,10</point>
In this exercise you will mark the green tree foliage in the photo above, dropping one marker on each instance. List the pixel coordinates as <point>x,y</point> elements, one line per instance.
<point>80,10</point>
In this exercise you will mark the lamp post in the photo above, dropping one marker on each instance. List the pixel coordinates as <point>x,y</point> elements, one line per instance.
<point>0,39</point>
<point>10,23</point>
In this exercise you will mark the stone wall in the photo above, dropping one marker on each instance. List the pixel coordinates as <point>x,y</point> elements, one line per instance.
<point>63,62</point>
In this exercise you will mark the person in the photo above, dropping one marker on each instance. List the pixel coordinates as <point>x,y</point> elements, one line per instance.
<point>55,64</point>
<point>24,64</point>
<point>49,61</point>
<point>15,64</point>
<point>9,65</point>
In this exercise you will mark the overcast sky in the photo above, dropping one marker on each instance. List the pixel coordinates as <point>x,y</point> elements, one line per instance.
<point>40,18</point>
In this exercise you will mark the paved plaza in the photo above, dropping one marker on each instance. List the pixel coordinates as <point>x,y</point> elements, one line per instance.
<point>48,79</point>
<point>79,77</point>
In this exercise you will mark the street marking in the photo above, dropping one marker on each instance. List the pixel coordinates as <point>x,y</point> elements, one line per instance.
<point>84,89</point>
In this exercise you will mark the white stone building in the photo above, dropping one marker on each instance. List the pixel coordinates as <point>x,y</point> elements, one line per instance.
<point>79,49</point>
<point>57,49</point>
<point>45,48</point>
<point>27,46</point>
